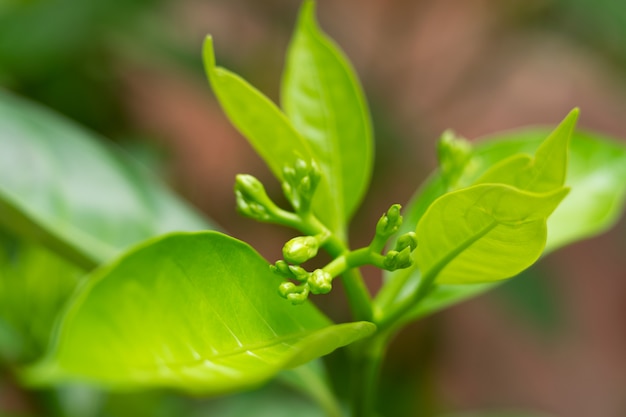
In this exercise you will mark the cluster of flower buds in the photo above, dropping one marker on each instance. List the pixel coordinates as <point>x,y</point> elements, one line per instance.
<point>316,282</point>
<point>387,226</point>
<point>299,184</point>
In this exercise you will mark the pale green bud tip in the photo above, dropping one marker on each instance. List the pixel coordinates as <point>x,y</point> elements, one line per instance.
<point>300,249</point>
<point>407,240</point>
<point>248,185</point>
<point>390,222</point>
<point>320,282</point>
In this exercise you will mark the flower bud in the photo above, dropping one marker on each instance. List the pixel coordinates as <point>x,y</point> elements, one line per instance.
<point>320,282</point>
<point>299,183</point>
<point>252,200</point>
<point>299,273</point>
<point>398,259</point>
<point>390,222</point>
<point>407,240</point>
<point>300,249</point>
<point>281,268</point>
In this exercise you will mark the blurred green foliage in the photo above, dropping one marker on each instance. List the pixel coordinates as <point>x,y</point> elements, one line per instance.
<point>57,52</point>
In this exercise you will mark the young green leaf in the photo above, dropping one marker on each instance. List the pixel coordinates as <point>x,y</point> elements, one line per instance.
<point>596,174</point>
<point>61,186</point>
<point>322,97</point>
<point>197,312</point>
<point>265,126</point>
<point>267,129</point>
<point>545,171</point>
<point>483,233</point>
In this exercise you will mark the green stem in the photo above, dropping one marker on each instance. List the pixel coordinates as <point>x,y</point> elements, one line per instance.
<point>358,295</point>
<point>367,362</point>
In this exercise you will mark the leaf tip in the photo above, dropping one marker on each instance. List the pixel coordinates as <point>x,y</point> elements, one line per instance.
<point>307,13</point>
<point>208,53</point>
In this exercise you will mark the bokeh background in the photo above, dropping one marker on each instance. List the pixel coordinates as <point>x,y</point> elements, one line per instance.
<point>552,340</point>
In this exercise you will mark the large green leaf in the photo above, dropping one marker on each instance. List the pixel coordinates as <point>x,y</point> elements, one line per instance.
<point>63,187</point>
<point>596,175</point>
<point>196,311</point>
<point>483,233</point>
<point>325,102</point>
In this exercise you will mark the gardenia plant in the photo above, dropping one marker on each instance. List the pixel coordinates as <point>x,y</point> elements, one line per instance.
<point>170,301</point>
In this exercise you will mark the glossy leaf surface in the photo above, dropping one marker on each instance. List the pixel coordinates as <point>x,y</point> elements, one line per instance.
<point>198,312</point>
<point>62,187</point>
<point>323,98</point>
<point>483,233</point>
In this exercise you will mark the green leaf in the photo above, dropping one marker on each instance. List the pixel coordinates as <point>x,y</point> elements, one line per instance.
<point>543,172</point>
<point>27,307</point>
<point>265,126</point>
<point>61,186</point>
<point>483,233</point>
<point>198,312</point>
<point>500,413</point>
<point>322,97</point>
<point>596,175</point>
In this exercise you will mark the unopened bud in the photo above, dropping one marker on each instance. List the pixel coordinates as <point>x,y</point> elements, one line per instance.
<point>320,282</point>
<point>300,249</point>
<point>252,200</point>
<point>299,183</point>
<point>398,259</point>
<point>390,222</point>
<point>297,294</point>
<point>407,240</point>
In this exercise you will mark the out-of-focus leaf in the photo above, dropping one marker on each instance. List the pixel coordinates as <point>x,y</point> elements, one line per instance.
<point>323,98</point>
<point>34,285</point>
<point>198,312</point>
<point>502,413</point>
<point>62,187</point>
<point>270,401</point>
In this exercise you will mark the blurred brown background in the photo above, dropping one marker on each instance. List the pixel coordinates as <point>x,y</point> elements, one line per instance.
<point>553,340</point>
